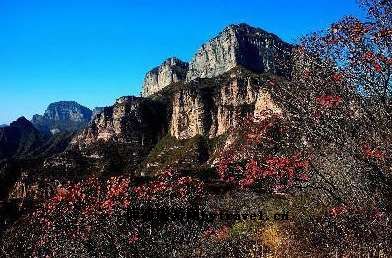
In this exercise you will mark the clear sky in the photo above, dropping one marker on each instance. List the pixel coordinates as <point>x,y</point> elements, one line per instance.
<point>94,51</point>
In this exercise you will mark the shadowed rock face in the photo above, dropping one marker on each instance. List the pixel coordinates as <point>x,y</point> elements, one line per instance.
<point>241,45</point>
<point>126,121</point>
<point>18,139</point>
<point>170,71</point>
<point>128,129</point>
<point>22,140</point>
<point>96,111</point>
<point>63,116</point>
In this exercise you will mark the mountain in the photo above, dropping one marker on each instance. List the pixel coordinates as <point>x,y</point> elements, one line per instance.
<point>241,45</point>
<point>3,125</point>
<point>62,116</point>
<point>19,138</point>
<point>231,132</point>
<point>237,45</point>
<point>131,127</point>
<point>219,88</point>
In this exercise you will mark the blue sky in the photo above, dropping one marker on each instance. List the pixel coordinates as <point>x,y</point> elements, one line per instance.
<point>94,51</point>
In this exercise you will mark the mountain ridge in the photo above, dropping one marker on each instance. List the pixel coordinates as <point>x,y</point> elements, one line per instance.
<point>235,131</point>
<point>236,45</point>
<point>62,116</point>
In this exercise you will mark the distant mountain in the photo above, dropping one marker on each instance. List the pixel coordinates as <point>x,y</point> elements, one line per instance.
<point>22,140</point>
<point>19,138</point>
<point>3,125</point>
<point>62,116</point>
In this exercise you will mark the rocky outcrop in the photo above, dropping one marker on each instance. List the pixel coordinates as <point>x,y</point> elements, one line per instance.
<point>130,119</point>
<point>190,114</point>
<point>96,111</point>
<point>209,107</point>
<point>63,116</point>
<point>124,132</point>
<point>170,71</point>
<point>241,45</point>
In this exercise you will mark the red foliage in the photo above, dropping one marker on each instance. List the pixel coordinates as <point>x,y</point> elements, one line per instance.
<point>377,67</point>
<point>338,210</point>
<point>166,184</point>
<point>221,233</point>
<point>133,238</point>
<point>337,77</point>
<point>377,214</point>
<point>89,197</point>
<point>329,101</point>
<point>285,170</point>
<point>372,153</point>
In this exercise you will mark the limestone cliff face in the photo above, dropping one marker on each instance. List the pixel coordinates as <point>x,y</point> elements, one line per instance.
<point>223,83</point>
<point>62,116</point>
<point>130,120</point>
<point>241,45</point>
<point>121,136</point>
<point>170,71</point>
<point>210,107</point>
<point>189,115</point>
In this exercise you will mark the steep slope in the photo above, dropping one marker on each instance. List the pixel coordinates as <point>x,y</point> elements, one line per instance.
<point>126,131</point>
<point>19,139</point>
<point>62,116</point>
<point>237,137</point>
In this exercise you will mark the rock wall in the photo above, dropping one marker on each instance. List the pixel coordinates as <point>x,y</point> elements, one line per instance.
<point>62,116</point>
<point>170,71</point>
<point>211,107</point>
<point>241,45</point>
<point>120,138</point>
<point>129,120</point>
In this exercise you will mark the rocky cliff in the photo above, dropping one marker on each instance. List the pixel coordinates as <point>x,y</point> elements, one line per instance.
<point>209,107</point>
<point>96,111</point>
<point>170,71</point>
<point>62,116</point>
<point>222,83</point>
<point>127,131</point>
<point>241,45</point>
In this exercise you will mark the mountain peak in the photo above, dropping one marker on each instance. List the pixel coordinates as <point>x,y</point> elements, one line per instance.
<point>236,45</point>
<point>240,26</point>
<point>63,116</point>
<point>241,45</point>
<point>21,122</point>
